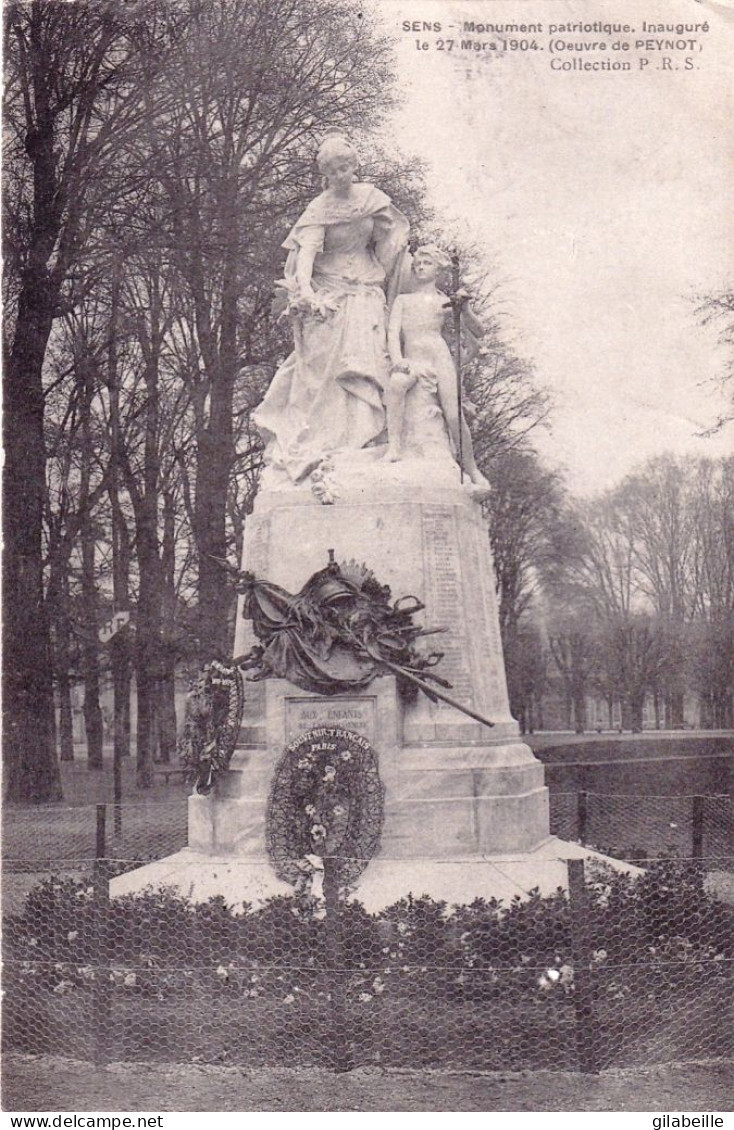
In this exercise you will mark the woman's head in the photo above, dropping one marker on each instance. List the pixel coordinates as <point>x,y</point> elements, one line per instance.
<point>337,157</point>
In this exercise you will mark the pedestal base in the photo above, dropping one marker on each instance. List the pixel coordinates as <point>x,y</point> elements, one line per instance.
<point>466,808</point>
<point>442,798</point>
<point>457,882</point>
<point>457,816</point>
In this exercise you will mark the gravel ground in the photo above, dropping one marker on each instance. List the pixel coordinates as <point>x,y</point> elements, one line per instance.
<point>52,1083</point>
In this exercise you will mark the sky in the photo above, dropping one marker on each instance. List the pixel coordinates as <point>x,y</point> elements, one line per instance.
<point>604,203</point>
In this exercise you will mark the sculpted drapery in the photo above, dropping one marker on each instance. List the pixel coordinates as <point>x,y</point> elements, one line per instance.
<point>327,396</point>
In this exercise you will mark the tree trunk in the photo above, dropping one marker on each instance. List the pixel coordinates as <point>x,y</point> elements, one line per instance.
<point>93,724</point>
<point>32,772</point>
<point>145,503</point>
<point>167,725</point>
<point>120,652</point>
<point>656,707</point>
<point>62,671</point>
<point>147,640</point>
<point>722,712</point>
<point>121,667</point>
<point>148,637</point>
<point>567,710</point>
<point>705,720</point>
<point>28,705</point>
<point>148,627</point>
<point>579,710</point>
<point>167,686</point>
<point>145,683</point>
<point>675,709</point>
<point>636,706</point>
<point>215,452</point>
<point>65,732</point>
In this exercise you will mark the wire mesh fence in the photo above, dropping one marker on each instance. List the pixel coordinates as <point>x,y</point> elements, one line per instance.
<point>617,969</point>
<point>647,827</point>
<point>44,838</point>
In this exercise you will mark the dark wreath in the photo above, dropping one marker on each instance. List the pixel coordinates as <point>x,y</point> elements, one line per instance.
<point>326,802</point>
<point>214,709</point>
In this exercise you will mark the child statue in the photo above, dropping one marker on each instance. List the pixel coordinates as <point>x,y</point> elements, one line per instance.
<point>419,353</point>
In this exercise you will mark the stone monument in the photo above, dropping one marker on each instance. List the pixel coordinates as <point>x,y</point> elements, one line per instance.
<point>465,805</point>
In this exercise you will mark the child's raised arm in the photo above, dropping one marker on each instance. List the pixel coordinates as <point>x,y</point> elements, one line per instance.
<point>471,323</point>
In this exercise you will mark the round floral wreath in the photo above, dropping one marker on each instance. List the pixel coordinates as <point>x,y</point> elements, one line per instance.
<point>213,716</point>
<point>326,802</point>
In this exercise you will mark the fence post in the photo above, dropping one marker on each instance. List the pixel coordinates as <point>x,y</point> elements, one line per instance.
<point>582,814</point>
<point>335,966</point>
<point>583,998</point>
<point>117,787</point>
<point>101,997</point>
<point>697,833</point>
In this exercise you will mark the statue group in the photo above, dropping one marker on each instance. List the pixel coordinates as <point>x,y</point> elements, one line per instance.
<point>334,753</point>
<point>369,354</point>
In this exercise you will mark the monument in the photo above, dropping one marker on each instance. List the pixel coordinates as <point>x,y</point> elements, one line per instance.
<point>369,481</point>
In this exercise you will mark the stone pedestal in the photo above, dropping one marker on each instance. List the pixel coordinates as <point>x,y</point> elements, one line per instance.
<point>466,809</point>
<point>440,799</point>
<point>421,537</point>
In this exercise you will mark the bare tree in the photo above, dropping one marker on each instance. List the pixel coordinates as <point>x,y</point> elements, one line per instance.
<point>712,566</point>
<point>717,309</point>
<point>655,508</point>
<point>71,100</point>
<point>232,155</point>
<point>526,498</point>
<point>145,465</point>
<point>574,650</point>
<point>631,656</point>
<point>651,575</point>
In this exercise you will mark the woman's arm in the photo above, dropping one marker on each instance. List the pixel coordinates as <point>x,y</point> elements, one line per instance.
<point>308,243</point>
<point>389,237</point>
<point>304,268</point>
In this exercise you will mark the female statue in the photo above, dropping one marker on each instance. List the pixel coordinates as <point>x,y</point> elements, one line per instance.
<point>345,254</point>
